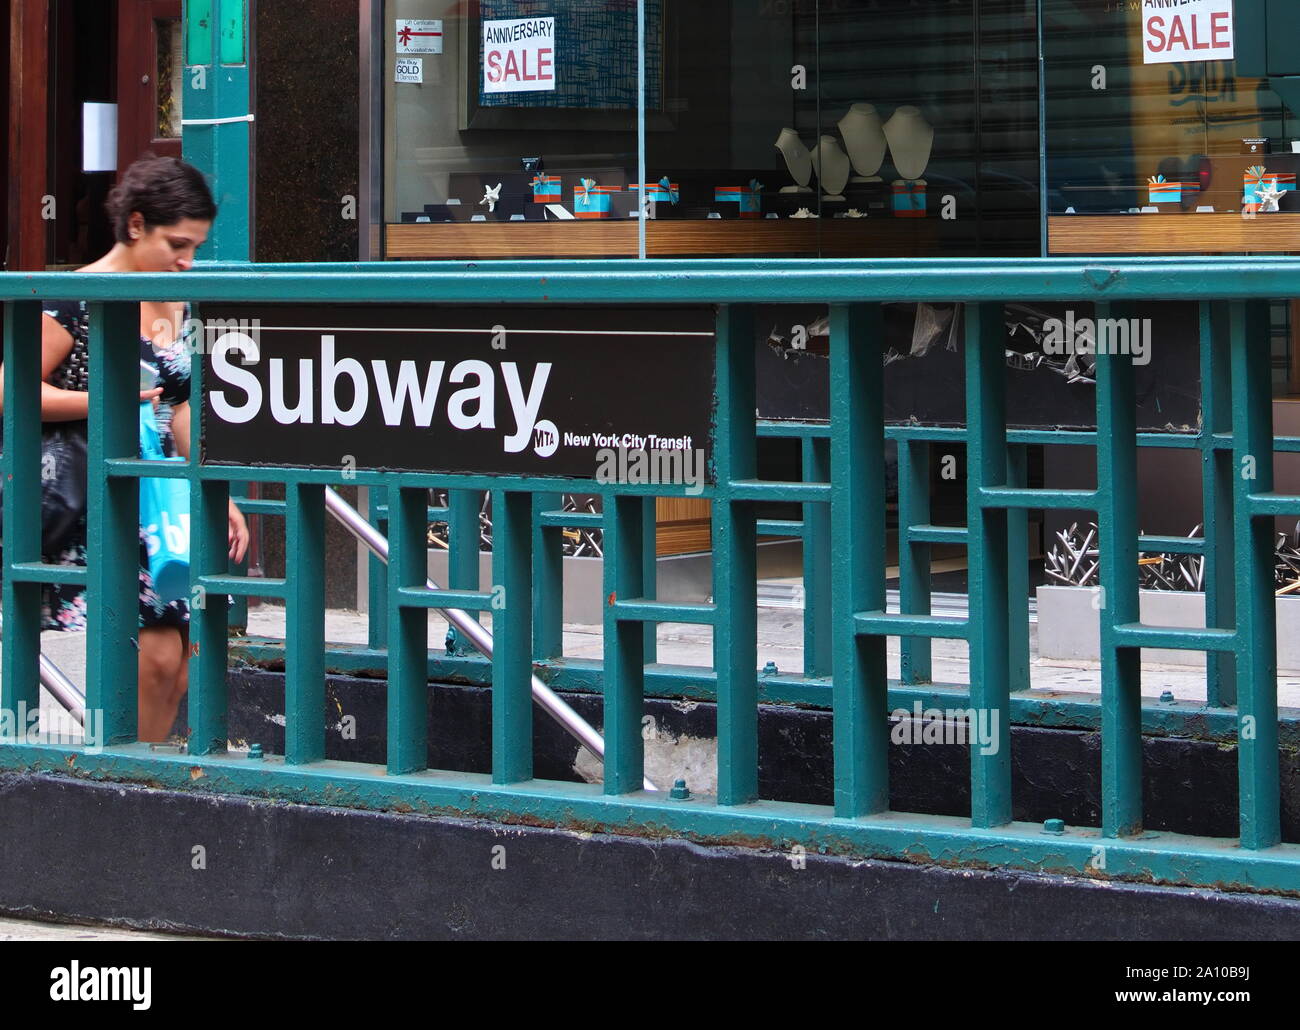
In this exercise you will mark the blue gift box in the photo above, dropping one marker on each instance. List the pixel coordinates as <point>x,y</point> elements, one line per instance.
<point>909,199</point>
<point>546,189</point>
<point>592,201</point>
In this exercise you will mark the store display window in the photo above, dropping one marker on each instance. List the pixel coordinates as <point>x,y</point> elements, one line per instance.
<point>575,128</point>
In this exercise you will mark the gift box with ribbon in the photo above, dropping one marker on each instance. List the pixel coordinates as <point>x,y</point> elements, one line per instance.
<point>592,201</point>
<point>749,199</point>
<point>546,189</point>
<point>1283,181</point>
<point>909,199</point>
<point>1163,191</point>
<point>661,192</point>
<point>1253,180</point>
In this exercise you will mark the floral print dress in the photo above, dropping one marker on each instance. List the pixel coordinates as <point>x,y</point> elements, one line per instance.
<point>64,607</point>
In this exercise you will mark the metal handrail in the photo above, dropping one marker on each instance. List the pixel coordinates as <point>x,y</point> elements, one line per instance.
<point>551,703</point>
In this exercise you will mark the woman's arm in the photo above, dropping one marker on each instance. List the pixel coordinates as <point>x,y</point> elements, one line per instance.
<point>61,405</point>
<point>56,405</point>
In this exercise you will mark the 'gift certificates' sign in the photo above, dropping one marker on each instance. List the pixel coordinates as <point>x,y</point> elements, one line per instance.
<point>1186,30</point>
<point>519,55</point>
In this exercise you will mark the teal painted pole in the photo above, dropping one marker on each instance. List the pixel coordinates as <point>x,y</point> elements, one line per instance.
<point>986,453</point>
<point>914,556</point>
<point>1117,520</point>
<point>113,521</point>
<point>816,452</point>
<point>464,535</point>
<point>624,643</point>
<point>735,568</point>
<point>548,581</point>
<point>1257,745</point>
<point>1217,496</point>
<point>512,621</point>
<point>408,650</point>
<point>304,667</point>
<point>216,126</point>
<point>1018,574</point>
<point>860,674</point>
<point>19,675</point>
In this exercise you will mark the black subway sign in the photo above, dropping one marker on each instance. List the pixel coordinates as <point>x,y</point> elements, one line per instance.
<point>501,390</point>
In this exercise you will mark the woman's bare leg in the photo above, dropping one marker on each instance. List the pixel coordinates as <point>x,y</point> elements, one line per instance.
<point>162,681</point>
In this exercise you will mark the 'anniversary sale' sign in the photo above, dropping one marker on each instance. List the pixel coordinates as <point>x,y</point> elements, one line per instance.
<point>519,55</point>
<point>1186,30</point>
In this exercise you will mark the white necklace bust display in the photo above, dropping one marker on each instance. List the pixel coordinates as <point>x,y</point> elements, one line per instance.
<point>864,138</point>
<point>832,166</point>
<point>797,159</point>
<point>910,138</point>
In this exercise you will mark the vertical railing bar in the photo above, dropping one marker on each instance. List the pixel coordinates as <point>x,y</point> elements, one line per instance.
<point>464,536</point>
<point>207,703</point>
<point>375,498</point>
<point>408,645</point>
<point>113,522</point>
<point>304,667</point>
<point>817,636</point>
<point>914,557</point>
<point>649,573</point>
<point>1117,521</point>
<point>21,470</point>
<point>548,581</point>
<point>735,568</point>
<point>1252,437</point>
<point>1018,574</point>
<point>858,519</point>
<point>624,642</point>
<point>986,445</point>
<point>512,621</point>
<point>1216,496</point>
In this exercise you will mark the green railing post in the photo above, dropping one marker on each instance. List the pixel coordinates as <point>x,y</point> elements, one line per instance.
<point>512,621</point>
<point>816,453</point>
<point>1256,644</point>
<point>548,580</point>
<point>1117,520</point>
<point>408,646</point>
<point>22,505</point>
<point>377,621</point>
<point>649,574</point>
<point>624,642</point>
<point>914,557</point>
<point>207,698</point>
<point>1217,480</point>
<point>735,566</point>
<point>304,645</point>
<point>1018,575</point>
<point>464,535</point>
<point>986,453</point>
<point>859,670</point>
<point>113,521</point>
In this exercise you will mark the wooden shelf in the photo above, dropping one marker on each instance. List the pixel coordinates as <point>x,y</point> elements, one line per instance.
<point>1191,233</point>
<point>877,236</point>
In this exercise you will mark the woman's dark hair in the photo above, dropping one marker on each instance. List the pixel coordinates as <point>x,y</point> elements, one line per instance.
<point>164,190</point>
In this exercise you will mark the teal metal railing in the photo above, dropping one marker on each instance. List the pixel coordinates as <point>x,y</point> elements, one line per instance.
<point>843,524</point>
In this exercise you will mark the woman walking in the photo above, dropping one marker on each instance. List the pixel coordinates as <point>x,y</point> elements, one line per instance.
<point>161,212</point>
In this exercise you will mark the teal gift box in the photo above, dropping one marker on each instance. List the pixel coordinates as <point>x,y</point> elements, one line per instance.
<point>661,192</point>
<point>909,199</point>
<point>748,198</point>
<point>1162,191</point>
<point>546,189</point>
<point>592,201</point>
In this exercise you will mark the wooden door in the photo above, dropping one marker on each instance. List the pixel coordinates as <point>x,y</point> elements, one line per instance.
<point>149,86</point>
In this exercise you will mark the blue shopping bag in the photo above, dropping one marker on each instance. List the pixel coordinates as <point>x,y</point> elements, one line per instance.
<point>164,518</point>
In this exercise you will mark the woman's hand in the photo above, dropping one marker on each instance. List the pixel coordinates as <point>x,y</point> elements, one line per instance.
<point>151,396</point>
<point>238,534</point>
